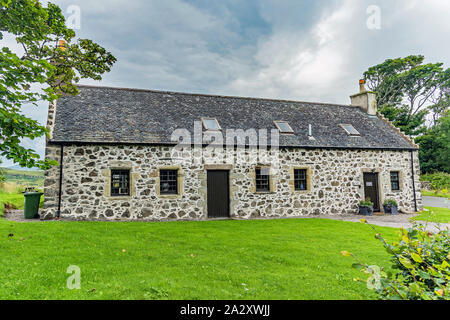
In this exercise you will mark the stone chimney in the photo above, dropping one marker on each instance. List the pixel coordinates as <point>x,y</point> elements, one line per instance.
<point>366,100</point>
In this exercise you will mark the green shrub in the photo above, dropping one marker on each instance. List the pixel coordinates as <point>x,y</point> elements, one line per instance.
<point>438,181</point>
<point>421,264</point>
<point>366,203</point>
<point>390,202</point>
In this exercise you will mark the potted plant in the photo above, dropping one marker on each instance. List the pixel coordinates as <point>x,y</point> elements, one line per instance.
<point>390,206</point>
<point>366,208</point>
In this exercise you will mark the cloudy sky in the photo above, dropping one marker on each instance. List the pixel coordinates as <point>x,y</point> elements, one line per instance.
<point>309,50</point>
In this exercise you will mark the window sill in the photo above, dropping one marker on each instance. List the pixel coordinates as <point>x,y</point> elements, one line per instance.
<point>169,196</point>
<point>301,191</point>
<point>264,192</point>
<point>119,197</point>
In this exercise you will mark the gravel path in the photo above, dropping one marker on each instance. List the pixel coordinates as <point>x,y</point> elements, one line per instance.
<point>436,202</point>
<point>393,221</point>
<point>17,215</point>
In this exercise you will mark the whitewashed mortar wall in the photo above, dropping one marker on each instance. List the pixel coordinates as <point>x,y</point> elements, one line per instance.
<point>336,177</point>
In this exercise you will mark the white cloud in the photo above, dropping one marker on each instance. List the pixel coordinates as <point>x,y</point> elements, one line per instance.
<point>303,66</point>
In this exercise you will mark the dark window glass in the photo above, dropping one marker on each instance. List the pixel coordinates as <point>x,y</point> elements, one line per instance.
<point>300,179</point>
<point>120,182</point>
<point>262,179</point>
<point>395,184</point>
<point>168,181</point>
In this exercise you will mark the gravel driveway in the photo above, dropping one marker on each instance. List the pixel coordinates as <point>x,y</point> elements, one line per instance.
<point>436,202</point>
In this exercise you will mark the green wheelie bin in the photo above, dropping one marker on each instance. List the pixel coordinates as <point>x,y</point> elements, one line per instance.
<point>31,206</point>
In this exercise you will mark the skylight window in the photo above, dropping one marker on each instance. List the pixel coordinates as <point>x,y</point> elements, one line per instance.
<point>350,130</point>
<point>284,127</point>
<point>211,124</point>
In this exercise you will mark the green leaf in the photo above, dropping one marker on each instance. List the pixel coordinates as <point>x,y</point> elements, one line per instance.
<point>357,266</point>
<point>416,257</point>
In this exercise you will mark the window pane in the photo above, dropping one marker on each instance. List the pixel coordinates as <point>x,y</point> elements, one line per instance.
<point>300,179</point>
<point>120,182</point>
<point>168,181</point>
<point>284,127</point>
<point>262,179</point>
<point>211,124</point>
<point>350,129</point>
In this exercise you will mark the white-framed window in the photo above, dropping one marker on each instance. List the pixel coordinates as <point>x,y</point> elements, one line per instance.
<point>211,124</point>
<point>350,130</point>
<point>283,126</point>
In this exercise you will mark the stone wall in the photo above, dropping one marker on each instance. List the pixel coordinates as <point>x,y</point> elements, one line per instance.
<point>335,183</point>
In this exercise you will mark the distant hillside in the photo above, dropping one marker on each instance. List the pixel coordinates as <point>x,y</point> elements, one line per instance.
<point>24,178</point>
<point>17,167</point>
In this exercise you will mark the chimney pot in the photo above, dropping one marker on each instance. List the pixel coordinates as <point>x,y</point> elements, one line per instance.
<point>362,87</point>
<point>62,45</point>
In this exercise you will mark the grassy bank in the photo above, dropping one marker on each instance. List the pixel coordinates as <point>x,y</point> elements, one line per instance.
<point>440,215</point>
<point>437,193</point>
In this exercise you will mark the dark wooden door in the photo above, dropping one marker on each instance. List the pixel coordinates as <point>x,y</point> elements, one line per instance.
<point>218,194</point>
<point>371,189</point>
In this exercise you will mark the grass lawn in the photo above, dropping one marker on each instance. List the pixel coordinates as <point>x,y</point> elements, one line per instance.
<point>441,215</point>
<point>259,259</point>
<point>436,193</point>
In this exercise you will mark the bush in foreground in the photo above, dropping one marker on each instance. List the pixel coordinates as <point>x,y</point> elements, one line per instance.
<point>420,263</point>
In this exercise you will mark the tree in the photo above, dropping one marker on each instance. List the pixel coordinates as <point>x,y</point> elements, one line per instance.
<point>2,173</point>
<point>405,87</point>
<point>443,138</point>
<point>434,152</point>
<point>53,62</point>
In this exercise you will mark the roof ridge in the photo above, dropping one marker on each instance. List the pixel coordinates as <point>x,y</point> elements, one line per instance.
<point>211,95</point>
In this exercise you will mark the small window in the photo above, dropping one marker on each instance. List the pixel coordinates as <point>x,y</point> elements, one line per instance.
<point>395,181</point>
<point>211,124</point>
<point>300,181</point>
<point>350,129</point>
<point>284,127</point>
<point>120,183</point>
<point>168,181</point>
<point>262,179</point>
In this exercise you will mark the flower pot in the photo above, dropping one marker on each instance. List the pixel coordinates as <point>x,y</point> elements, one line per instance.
<point>390,209</point>
<point>365,210</point>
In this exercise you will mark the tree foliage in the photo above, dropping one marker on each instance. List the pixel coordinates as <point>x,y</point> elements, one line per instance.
<point>53,62</point>
<point>408,93</point>
<point>405,87</point>
<point>434,149</point>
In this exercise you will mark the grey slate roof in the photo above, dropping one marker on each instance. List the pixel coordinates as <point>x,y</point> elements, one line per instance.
<point>117,115</point>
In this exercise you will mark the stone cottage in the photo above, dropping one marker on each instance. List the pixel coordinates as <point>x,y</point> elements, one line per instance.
<point>130,154</point>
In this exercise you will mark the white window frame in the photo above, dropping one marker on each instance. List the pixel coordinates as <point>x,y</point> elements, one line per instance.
<point>279,128</point>
<point>342,125</point>
<point>214,119</point>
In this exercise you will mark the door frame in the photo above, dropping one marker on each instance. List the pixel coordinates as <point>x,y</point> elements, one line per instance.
<point>228,171</point>
<point>377,188</point>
